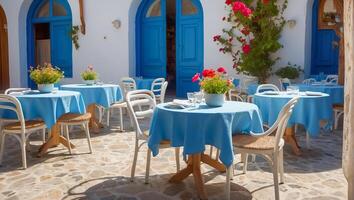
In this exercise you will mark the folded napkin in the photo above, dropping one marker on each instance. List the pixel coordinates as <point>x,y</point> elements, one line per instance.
<point>271,93</point>
<point>309,93</point>
<point>179,104</point>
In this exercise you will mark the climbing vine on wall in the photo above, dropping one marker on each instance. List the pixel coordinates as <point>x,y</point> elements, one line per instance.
<point>75,36</point>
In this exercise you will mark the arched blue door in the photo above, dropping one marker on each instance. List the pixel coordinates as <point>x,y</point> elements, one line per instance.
<point>151,42</point>
<point>49,24</point>
<point>325,47</point>
<point>190,44</point>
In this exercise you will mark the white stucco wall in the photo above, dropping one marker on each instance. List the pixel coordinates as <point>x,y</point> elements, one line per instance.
<point>112,51</point>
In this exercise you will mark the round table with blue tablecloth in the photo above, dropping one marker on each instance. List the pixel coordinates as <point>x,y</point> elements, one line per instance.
<point>193,128</point>
<point>49,107</point>
<point>310,110</point>
<point>336,92</point>
<point>98,94</point>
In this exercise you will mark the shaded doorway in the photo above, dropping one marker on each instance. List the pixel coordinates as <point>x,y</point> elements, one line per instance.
<point>4,52</point>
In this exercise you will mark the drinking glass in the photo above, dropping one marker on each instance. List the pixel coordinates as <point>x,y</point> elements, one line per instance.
<point>191,97</point>
<point>292,89</point>
<point>199,97</point>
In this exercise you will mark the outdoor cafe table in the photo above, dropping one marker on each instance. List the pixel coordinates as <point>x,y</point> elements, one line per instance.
<point>193,128</point>
<point>336,92</point>
<point>48,107</point>
<point>99,94</point>
<point>309,111</point>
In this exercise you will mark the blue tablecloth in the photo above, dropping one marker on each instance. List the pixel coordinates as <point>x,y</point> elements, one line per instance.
<point>143,83</point>
<point>336,92</point>
<point>48,107</point>
<point>193,128</point>
<point>103,95</point>
<point>309,111</point>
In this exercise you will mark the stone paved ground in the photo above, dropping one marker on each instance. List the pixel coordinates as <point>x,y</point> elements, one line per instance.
<point>317,174</point>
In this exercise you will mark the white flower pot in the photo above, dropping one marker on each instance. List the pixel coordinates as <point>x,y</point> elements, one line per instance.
<point>214,100</point>
<point>46,88</point>
<point>89,82</point>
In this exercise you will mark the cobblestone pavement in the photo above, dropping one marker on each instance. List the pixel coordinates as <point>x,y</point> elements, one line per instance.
<point>316,175</point>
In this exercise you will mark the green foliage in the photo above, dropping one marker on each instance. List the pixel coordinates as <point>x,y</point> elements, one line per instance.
<point>89,74</point>
<point>216,85</point>
<point>263,31</point>
<point>46,74</point>
<point>75,36</point>
<point>290,71</point>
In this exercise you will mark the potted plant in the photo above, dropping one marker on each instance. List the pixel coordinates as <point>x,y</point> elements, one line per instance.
<point>46,76</point>
<point>214,84</point>
<point>290,71</point>
<point>89,75</point>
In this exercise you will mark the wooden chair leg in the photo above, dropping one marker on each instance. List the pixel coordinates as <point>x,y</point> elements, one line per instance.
<point>177,152</point>
<point>87,131</point>
<point>66,130</point>
<point>147,172</point>
<point>2,147</point>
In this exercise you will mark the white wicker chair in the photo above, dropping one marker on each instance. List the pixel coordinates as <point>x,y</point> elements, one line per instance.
<point>127,84</point>
<point>163,92</point>
<point>270,147</point>
<point>284,82</point>
<point>332,78</point>
<point>21,129</point>
<point>144,99</point>
<point>267,87</point>
<point>156,88</point>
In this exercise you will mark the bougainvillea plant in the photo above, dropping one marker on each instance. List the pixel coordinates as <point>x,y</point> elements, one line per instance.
<point>253,36</point>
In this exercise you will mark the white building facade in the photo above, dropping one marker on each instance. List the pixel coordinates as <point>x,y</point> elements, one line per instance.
<point>112,50</point>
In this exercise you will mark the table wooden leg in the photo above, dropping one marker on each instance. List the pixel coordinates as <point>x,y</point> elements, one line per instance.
<point>193,167</point>
<point>54,141</point>
<point>94,124</point>
<point>290,138</point>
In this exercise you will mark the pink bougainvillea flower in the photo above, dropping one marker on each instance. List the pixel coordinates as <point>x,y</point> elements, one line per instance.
<point>246,12</point>
<point>228,2</point>
<point>196,77</point>
<point>245,31</point>
<point>208,73</point>
<point>246,49</point>
<point>265,1</point>
<point>216,38</point>
<point>221,70</point>
<point>238,6</point>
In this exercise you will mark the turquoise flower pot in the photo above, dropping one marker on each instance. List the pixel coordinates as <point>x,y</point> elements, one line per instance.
<point>214,100</point>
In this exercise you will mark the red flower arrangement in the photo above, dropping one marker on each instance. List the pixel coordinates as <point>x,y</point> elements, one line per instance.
<point>214,81</point>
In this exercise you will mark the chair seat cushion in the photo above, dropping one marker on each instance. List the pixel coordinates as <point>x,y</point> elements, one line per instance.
<point>73,117</point>
<point>30,124</point>
<point>254,143</point>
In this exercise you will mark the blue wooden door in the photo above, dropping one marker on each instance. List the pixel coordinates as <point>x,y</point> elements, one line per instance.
<point>151,41</point>
<point>325,47</point>
<point>61,46</point>
<point>189,44</point>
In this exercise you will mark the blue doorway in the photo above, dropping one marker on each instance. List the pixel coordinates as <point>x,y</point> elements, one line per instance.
<point>49,25</point>
<point>325,44</point>
<point>169,42</point>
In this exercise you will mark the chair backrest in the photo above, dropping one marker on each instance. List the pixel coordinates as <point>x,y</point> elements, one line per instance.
<point>12,104</point>
<point>14,90</point>
<point>233,96</point>
<point>267,87</point>
<point>282,121</point>
<point>332,78</point>
<point>127,84</point>
<point>163,92</point>
<point>141,103</point>
<point>284,83</point>
<point>156,85</point>
<point>309,81</point>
